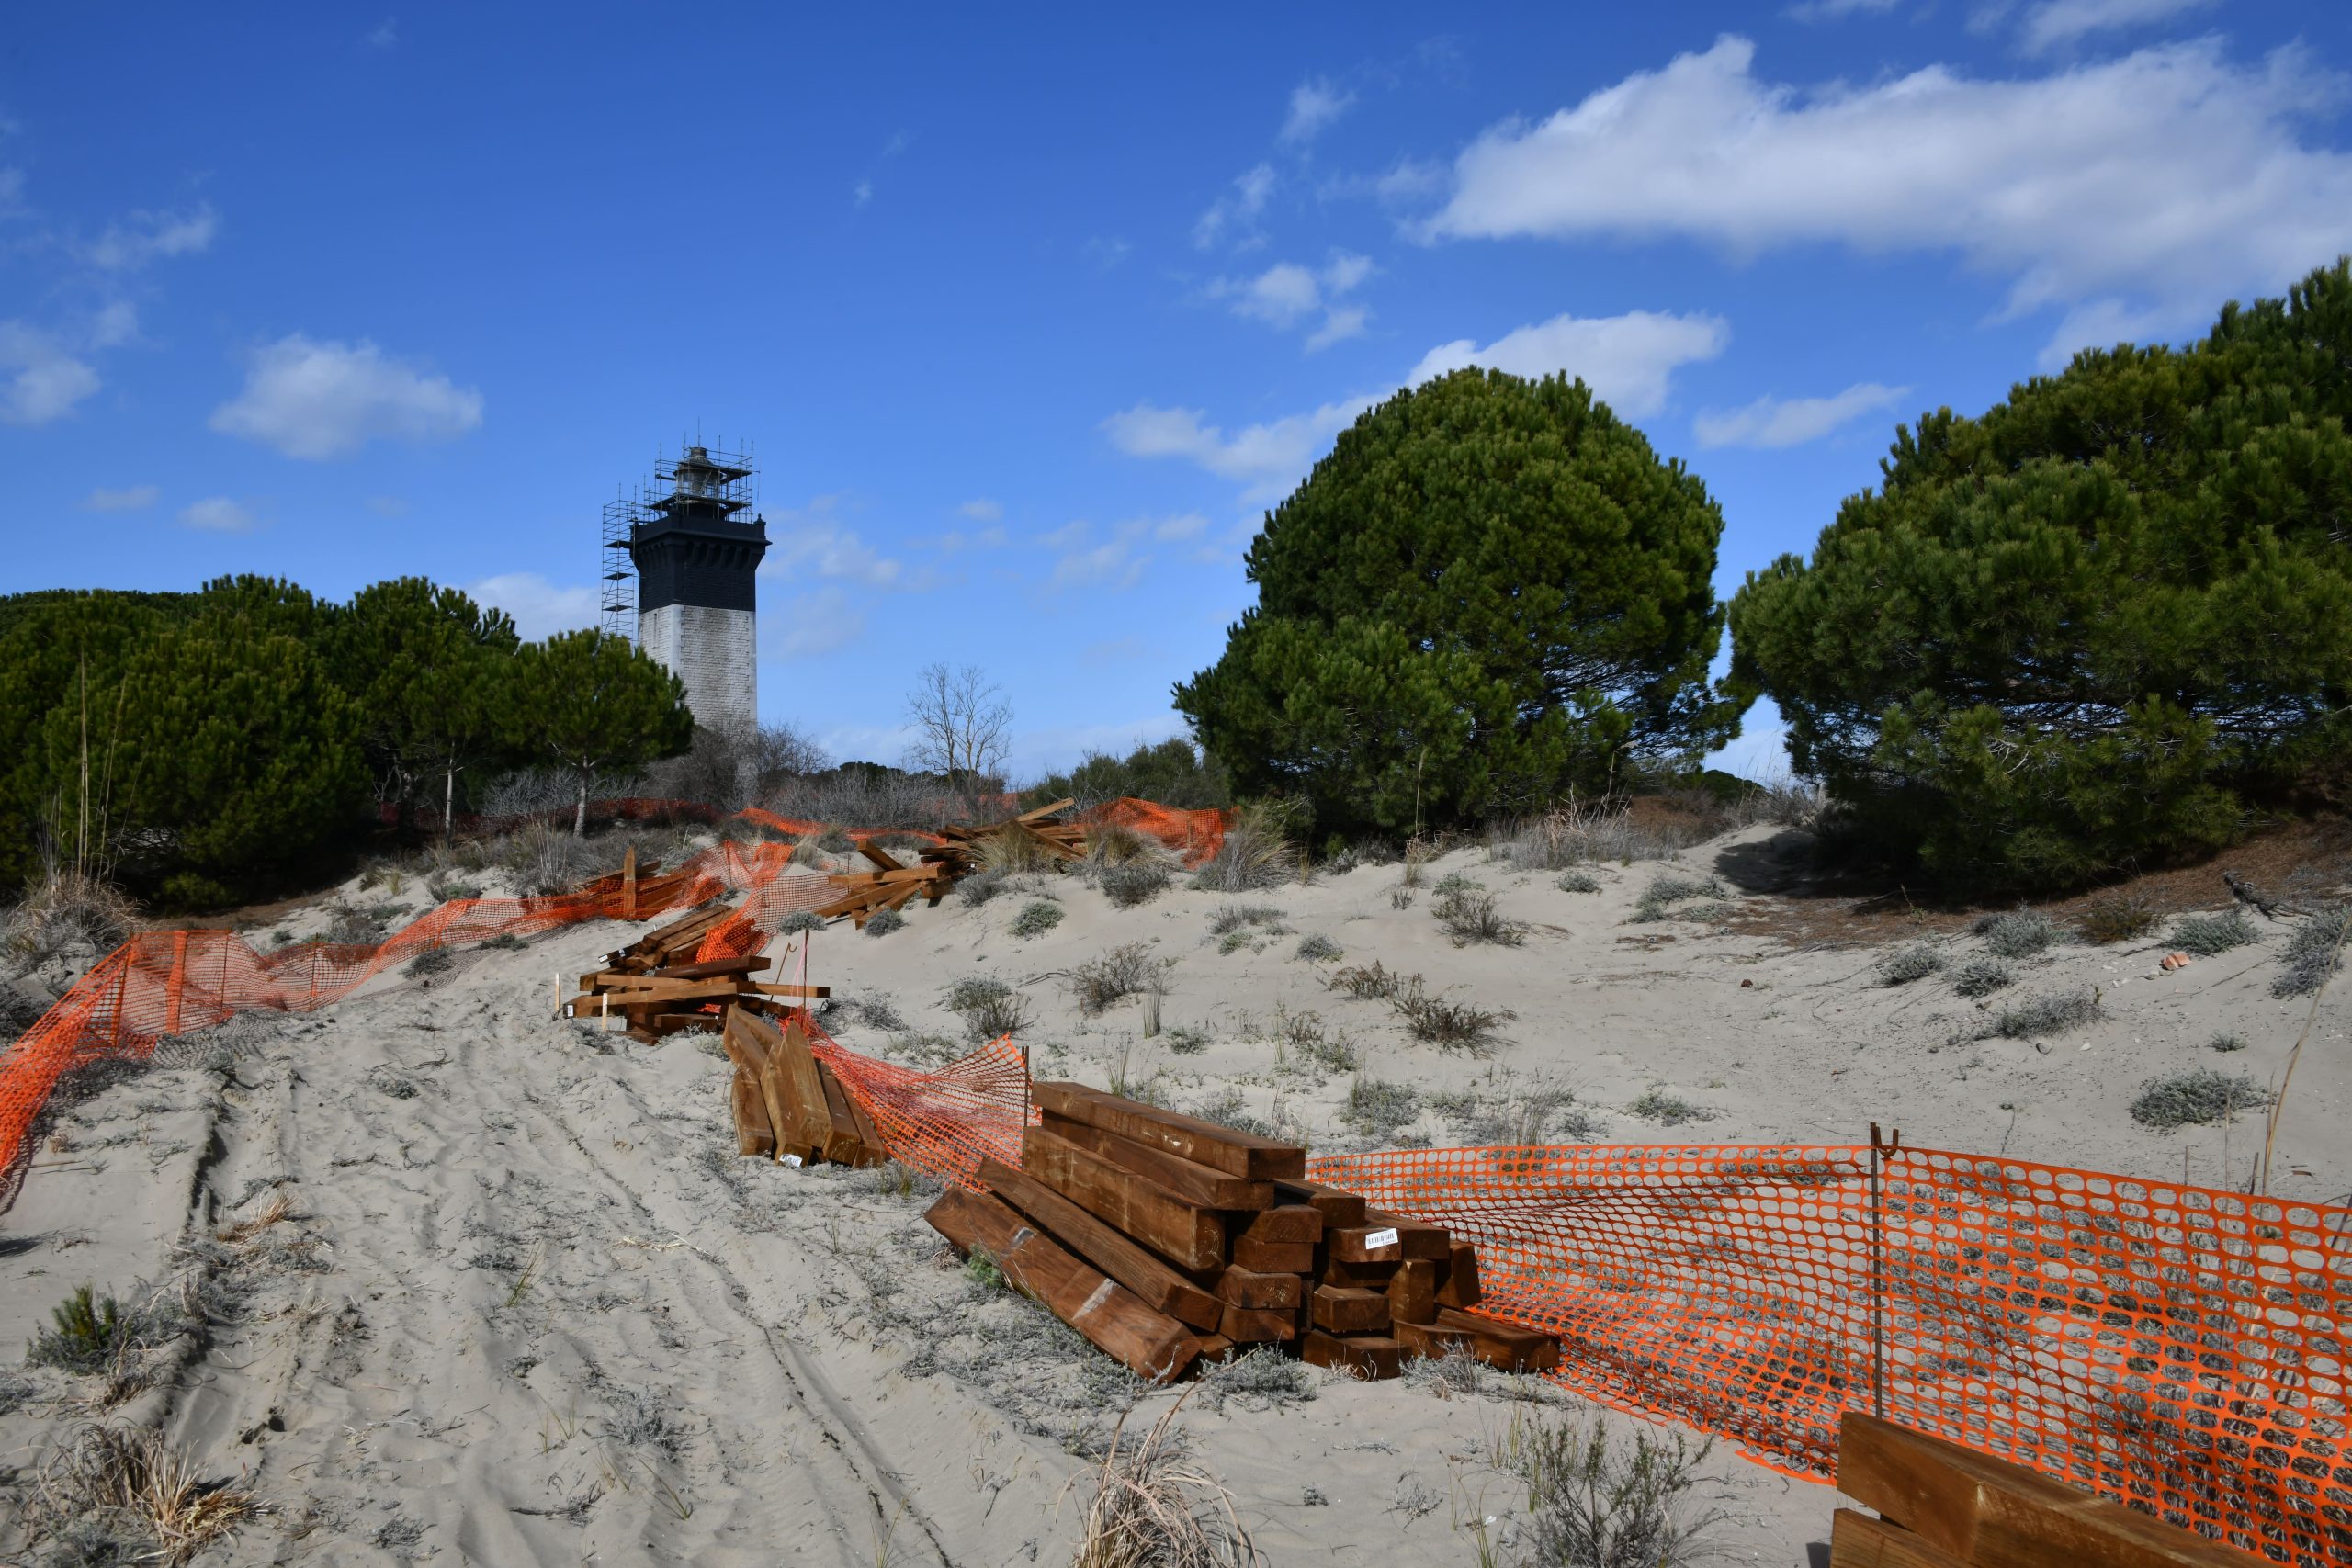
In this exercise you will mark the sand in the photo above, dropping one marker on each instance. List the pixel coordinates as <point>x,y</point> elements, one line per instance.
<point>528,1307</point>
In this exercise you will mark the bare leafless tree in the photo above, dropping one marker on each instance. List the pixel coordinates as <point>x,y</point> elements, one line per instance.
<point>962,726</point>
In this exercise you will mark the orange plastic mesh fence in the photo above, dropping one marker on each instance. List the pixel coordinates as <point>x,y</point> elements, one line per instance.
<point>944,1122</point>
<point>2178,1348</point>
<point>1196,835</point>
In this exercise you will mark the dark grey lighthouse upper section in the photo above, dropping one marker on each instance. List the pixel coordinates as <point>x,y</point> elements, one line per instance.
<point>695,552</point>
<point>697,560</point>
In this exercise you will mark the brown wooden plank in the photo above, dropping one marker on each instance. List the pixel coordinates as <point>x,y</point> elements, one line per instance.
<point>1412,1292</point>
<point>876,1147</point>
<point>1244,1288</point>
<point>1418,1238</point>
<point>1273,1256</point>
<point>1193,1182</point>
<point>844,1146</point>
<point>1215,1346</point>
<point>1286,1222</point>
<point>710,967</point>
<point>1186,1234</point>
<point>1254,1325</point>
<point>1154,1283</point>
<point>1353,1244</point>
<point>1371,1357</point>
<point>695,924</point>
<point>1336,1208</point>
<point>1993,1514</point>
<point>1358,1276</point>
<point>747,1048</point>
<point>1457,1284</point>
<point>1858,1541</point>
<point>628,883</point>
<point>1150,1344</point>
<point>806,1123</point>
<point>1503,1345</point>
<point>751,1135</point>
<point>767,990</point>
<point>1337,1310</point>
<point>879,855</point>
<point>1188,1137</point>
<point>636,989</point>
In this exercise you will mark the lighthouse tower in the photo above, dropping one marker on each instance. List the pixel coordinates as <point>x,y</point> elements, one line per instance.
<point>696,566</point>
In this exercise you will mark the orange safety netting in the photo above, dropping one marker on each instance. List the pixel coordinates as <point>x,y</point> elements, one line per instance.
<point>2182,1348</point>
<point>1196,835</point>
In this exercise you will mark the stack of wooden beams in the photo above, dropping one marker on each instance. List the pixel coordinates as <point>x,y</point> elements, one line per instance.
<point>788,1105</point>
<point>1164,1239</point>
<point>1942,1506</point>
<point>653,987</point>
<point>893,883</point>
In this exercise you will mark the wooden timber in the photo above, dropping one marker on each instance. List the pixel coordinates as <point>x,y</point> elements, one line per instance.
<point>1193,1182</point>
<point>1187,1138</point>
<point>1186,1234</point>
<point>1156,1283</point>
<point>1367,1356</point>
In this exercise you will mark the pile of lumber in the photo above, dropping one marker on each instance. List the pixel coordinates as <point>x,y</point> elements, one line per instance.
<point>653,987</point>
<point>1943,1506</point>
<point>893,883</point>
<point>788,1105</point>
<point>1165,1239</point>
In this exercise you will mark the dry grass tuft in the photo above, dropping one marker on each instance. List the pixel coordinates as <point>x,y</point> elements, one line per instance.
<point>1468,915</point>
<point>279,1208</point>
<point>1257,853</point>
<point>1126,970</point>
<point>109,1488</point>
<point>1152,1508</point>
<point>1013,854</point>
<point>66,910</point>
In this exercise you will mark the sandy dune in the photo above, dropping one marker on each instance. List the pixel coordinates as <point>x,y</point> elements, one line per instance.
<point>528,1306</point>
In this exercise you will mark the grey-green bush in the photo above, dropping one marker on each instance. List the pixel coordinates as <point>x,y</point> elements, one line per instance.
<point>1036,918</point>
<point>2034,1017</point>
<point>882,922</point>
<point>2206,935</point>
<point>1908,964</point>
<point>1982,977</point>
<point>2314,952</point>
<point>2019,933</point>
<point>2194,1098</point>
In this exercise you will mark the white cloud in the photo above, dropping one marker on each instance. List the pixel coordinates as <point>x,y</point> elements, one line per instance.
<point>539,607</point>
<point>1288,293</point>
<point>1115,564</point>
<point>1189,525</point>
<point>1313,105</point>
<point>131,497</point>
<point>1105,253</point>
<point>387,34</point>
<point>144,236</point>
<point>2055,24</point>
<point>860,193</point>
<point>40,380</point>
<point>1628,360</point>
<point>1792,422</point>
<point>1237,208</point>
<point>982,510</point>
<point>2170,175</point>
<point>321,399</point>
<point>810,625</point>
<point>955,539</point>
<point>115,324</point>
<point>217,515</point>
<point>830,551</point>
<point>1834,10</point>
<point>1268,458</point>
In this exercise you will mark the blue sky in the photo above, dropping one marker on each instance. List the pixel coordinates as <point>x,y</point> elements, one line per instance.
<point>1030,316</point>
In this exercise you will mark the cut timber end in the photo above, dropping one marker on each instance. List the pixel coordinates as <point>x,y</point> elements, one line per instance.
<point>1370,1356</point>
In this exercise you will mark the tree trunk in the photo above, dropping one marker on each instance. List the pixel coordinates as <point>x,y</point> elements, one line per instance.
<point>449,804</point>
<point>579,817</point>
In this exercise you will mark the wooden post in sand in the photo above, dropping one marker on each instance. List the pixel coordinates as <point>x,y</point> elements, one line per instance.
<point>628,883</point>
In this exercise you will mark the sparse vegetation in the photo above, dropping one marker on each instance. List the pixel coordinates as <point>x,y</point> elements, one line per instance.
<point>1231,917</point>
<point>1436,1021</point>
<point>1379,1110</point>
<point>2197,1097</point>
<point>2019,934</point>
<point>1468,915</point>
<point>118,1494</point>
<point>1257,853</point>
<point>1150,1509</point>
<point>2207,935</point>
<point>980,888</point>
<point>2119,918</point>
<point>1905,964</point>
<point>1577,881</point>
<point>882,922</point>
<point>448,889</point>
<point>2031,1018</point>
<point>1982,976</point>
<point>1670,889</point>
<point>1529,1118</point>
<point>2313,953</point>
<point>990,1009</point>
<point>1134,882</point>
<point>1126,970</point>
<point>506,941</point>
<point>1317,948</point>
<point>1036,918</point>
<point>1592,1503</point>
<point>800,921</point>
<point>88,1334</point>
<point>1188,1040</point>
<point>1304,1036</point>
<point>1661,1104</point>
<point>2224,1041</point>
<point>1365,982</point>
<point>431,961</point>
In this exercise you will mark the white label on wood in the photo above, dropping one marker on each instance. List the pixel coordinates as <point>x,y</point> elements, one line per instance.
<point>1380,1239</point>
<point>1102,1293</point>
<point>792,1160</point>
